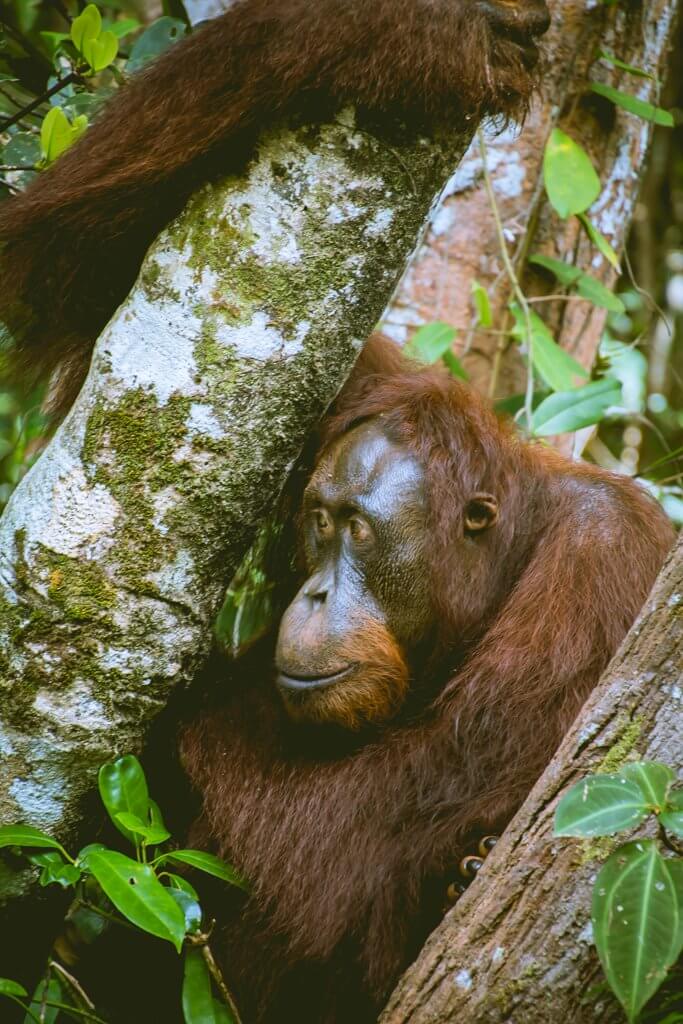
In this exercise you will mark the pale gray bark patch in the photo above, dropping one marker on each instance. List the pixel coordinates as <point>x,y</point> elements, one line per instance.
<point>116,548</point>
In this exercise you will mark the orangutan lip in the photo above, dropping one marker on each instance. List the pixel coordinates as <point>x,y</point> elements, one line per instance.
<point>299,683</point>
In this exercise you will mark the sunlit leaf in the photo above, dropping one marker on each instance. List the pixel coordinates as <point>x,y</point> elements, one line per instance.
<point>641,108</point>
<point>85,27</point>
<point>12,988</point>
<point>600,805</point>
<point>55,869</point>
<point>151,835</point>
<point>138,894</point>
<point>556,367</point>
<point>482,304</point>
<point>123,787</point>
<point>182,883</point>
<point>565,411</point>
<point>102,51</point>
<point>55,134</point>
<point>586,285</point>
<point>569,176</point>
<point>451,361</point>
<point>208,863</point>
<point>638,920</point>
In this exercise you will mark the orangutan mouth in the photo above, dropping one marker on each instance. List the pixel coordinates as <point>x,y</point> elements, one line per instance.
<point>301,683</point>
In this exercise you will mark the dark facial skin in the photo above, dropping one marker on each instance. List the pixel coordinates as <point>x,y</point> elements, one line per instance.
<point>366,601</point>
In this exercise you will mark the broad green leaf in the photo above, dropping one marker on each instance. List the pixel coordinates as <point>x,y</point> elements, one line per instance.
<point>192,912</point>
<point>26,835</point>
<point>101,52</point>
<point>155,816</point>
<point>182,883</point>
<point>430,342</point>
<point>632,70</point>
<point>672,817</point>
<point>556,367</point>
<point>600,805</point>
<point>568,174</point>
<point>586,285</point>
<point>599,240</point>
<point>482,304</point>
<point>124,27</point>
<point>223,1015</point>
<point>654,779</point>
<point>197,998</point>
<point>638,920</point>
<point>84,853</point>
<point>634,106</point>
<point>123,787</point>
<point>208,863</point>
<point>12,988</point>
<point>85,27</point>
<point>55,134</point>
<point>151,835</point>
<point>161,34</point>
<point>565,411</point>
<point>138,894</point>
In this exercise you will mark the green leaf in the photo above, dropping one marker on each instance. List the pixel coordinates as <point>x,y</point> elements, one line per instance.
<point>155,817</point>
<point>556,367</point>
<point>12,988</point>
<point>208,863</point>
<point>124,27</point>
<point>632,70</point>
<point>23,150</point>
<point>223,1015</point>
<point>85,27</point>
<point>182,883</point>
<point>53,40</point>
<point>634,106</point>
<point>565,411</point>
<point>599,240</point>
<point>654,779</point>
<point>454,365</point>
<point>151,836</point>
<point>55,869</point>
<point>55,134</point>
<point>197,998</point>
<point>482,304</point>
<point>587,285</point>
<point>25,835</point>
<point>672,817</point>
<point>123,787</point>
<point>137,893</point>
<point>47,991</point>
<point>638,920</point>
<point>192,912</point>
<point>101,52</point>
<point>429,343</point>
<point>569,176</point>
<point>160,35</point>
<point>600,805</point>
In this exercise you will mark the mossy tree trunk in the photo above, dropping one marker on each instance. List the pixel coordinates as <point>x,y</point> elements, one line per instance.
<point>116,548</point>
<point>517,946</point>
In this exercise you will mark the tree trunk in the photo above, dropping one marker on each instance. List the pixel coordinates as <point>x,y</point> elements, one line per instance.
<point>116,548</point>
<point>517,946</point>
<point>462,244</point>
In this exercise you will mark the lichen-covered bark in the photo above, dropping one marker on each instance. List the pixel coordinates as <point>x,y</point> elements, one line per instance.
<point>462,246</point>
<point>116,548</point>
<point>517,947</point>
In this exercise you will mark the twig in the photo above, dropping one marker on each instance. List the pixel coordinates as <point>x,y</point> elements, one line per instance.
<point>73,984</point>
<point>202,941</point>
<point>73,76</point>
<point>557,298</point>
<point>12,167</point>
<point>514,282</point>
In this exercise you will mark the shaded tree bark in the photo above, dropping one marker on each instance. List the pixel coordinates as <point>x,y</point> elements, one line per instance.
<point>517,946</point>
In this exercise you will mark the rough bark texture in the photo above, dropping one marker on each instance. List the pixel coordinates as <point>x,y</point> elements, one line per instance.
<point>462,245</point>
<point>116,548</point>
<point>517,947</point>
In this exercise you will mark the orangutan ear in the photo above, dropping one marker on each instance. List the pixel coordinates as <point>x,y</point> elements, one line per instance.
<point>481,512</point>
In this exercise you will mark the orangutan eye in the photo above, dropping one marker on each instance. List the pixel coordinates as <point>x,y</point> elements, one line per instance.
<point>359,530</point>
<point>323,523</point>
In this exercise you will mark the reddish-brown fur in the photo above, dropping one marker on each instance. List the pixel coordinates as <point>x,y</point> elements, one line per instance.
<point>72,244</point>
<point>348,849</point>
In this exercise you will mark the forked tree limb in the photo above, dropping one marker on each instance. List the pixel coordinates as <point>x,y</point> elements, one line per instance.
<point>517,946</point>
